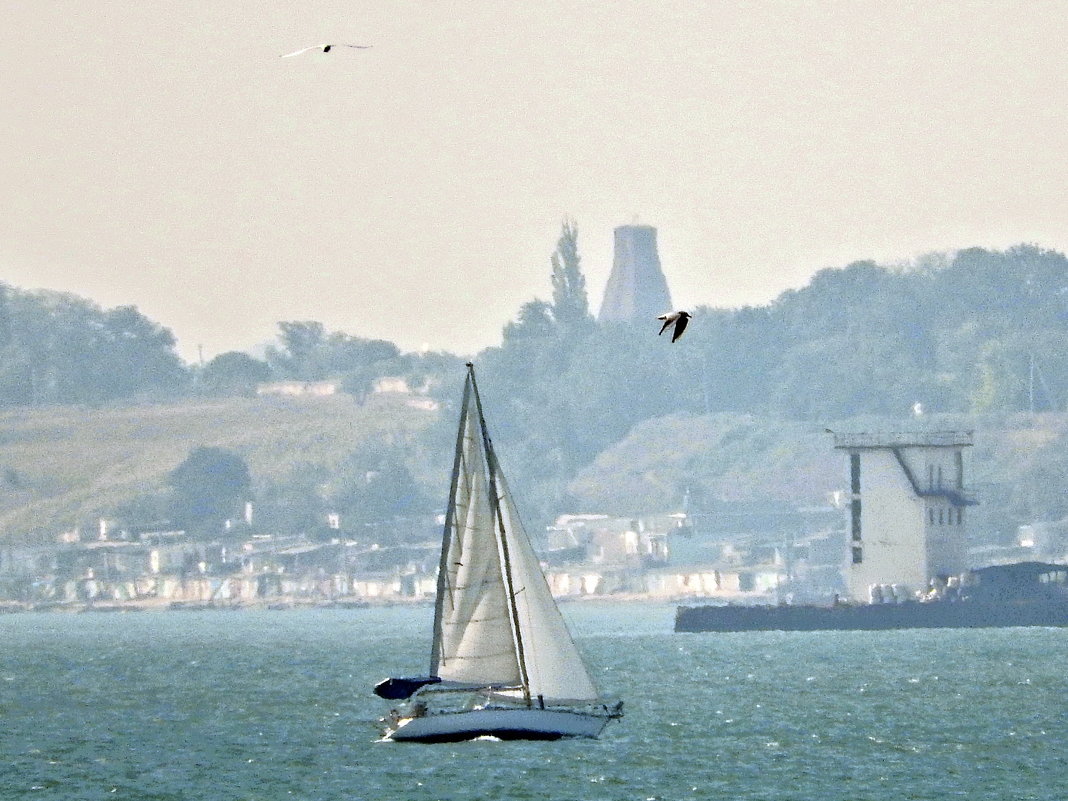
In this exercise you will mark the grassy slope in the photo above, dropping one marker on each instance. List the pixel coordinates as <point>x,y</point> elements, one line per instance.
<point>731,457</point>
<point>1018,467</point>
<point>74,463</point>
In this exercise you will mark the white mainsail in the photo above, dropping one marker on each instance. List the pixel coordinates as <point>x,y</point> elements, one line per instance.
<point>496,622</point>
<point>474,643</point>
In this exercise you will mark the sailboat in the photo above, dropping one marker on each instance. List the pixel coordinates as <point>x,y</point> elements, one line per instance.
<point>502,663</point>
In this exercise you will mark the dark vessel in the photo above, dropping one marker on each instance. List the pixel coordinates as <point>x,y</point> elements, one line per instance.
<point>1021,594</point>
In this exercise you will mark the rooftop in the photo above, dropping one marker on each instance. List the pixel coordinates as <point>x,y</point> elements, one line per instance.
<point>901,439</point>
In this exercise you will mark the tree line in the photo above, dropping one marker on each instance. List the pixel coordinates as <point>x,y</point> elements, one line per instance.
<point>976,332</point>
<point>58,348</point>
<point>972,332</point>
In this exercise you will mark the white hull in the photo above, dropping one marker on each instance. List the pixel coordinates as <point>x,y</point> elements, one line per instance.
<point>505,723</point>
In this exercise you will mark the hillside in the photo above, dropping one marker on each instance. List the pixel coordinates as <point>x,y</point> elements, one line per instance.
<point>722,457</point>
<point>1018,466</point>
<point>599,417</point>
<point>65,466</point>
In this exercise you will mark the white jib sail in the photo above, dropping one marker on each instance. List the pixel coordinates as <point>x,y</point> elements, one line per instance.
<point>554,667</point>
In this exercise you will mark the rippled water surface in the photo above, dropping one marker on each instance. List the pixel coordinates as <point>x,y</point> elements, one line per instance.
<point>277,705</point>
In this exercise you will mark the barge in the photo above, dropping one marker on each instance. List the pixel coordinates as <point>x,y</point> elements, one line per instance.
<point>1020,594</point>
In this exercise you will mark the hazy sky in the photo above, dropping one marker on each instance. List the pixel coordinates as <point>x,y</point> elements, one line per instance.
<point>162,154</point>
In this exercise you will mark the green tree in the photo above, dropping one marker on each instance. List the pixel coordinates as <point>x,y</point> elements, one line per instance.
<point>210,486</point>
<point>729,358</point>
<point>534,322</point>
<point>302,353</point>
<point>64,349</point>
<point>5,318</point>
<point>294,502</point>
<point>14,367</point>
<point>348,354</point>
<point>233,373</point>
<point>137,355</point>
<point>148,510</point>
<point>373,485</point>
<point>570,307</point>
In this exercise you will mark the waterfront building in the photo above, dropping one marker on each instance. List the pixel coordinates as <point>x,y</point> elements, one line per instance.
<point>907,512</point>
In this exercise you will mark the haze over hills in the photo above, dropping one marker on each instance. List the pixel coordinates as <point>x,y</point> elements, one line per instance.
<point>584,409</point>
<point>164,156</point>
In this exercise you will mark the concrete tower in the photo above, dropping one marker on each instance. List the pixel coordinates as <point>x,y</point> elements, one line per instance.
<point>636,289</point>
<point>907,508</point>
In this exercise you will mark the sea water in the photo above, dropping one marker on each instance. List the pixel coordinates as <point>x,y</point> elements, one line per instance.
<point>278,705</point>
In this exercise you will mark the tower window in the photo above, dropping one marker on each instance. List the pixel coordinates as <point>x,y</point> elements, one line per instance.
<point>858,555</point>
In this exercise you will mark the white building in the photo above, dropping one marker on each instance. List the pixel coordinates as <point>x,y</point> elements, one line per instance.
<point>907,510</point>
<point>314,389</point>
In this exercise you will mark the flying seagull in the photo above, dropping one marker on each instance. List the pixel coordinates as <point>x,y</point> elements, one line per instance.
<point>325,48</point>
<point>679,319</point>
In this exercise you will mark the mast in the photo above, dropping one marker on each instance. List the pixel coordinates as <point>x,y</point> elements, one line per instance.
<point>450,521</point>
<point>509,587</point>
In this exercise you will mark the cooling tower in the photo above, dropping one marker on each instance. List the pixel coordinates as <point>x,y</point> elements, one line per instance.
<point>636,289</point>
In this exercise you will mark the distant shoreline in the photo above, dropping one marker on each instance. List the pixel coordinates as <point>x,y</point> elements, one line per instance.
<point>280,603</point>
